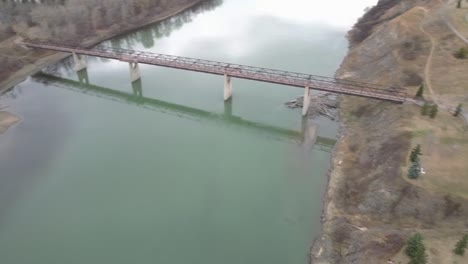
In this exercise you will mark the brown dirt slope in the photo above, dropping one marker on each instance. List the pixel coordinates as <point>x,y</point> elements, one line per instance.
<point>371,206</point>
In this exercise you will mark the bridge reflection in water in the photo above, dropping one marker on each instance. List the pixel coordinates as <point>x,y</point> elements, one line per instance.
<point>83,85</point>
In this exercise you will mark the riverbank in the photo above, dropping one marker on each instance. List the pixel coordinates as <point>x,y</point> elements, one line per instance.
<point>371,207</point>
<point>40,59</point>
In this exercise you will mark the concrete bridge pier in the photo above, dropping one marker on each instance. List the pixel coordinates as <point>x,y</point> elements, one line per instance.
<point>227,87</point>
<point>80,62</point>
<point>134,71</point>
<point>306,103</point>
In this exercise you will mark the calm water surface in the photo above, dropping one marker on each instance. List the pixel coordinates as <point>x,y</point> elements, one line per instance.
<point>163,171</point>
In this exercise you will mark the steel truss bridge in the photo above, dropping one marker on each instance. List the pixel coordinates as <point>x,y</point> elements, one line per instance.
<point>334,85</point>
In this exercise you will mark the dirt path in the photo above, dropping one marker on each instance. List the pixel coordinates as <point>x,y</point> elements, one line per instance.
<point>450,25</point>
<point>427,68</point>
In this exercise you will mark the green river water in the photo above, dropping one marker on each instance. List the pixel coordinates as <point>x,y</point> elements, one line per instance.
<point>163,171</point>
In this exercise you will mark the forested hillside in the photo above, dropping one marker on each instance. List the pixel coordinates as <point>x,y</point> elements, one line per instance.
<point>81,22</point>
<point>73,19</point>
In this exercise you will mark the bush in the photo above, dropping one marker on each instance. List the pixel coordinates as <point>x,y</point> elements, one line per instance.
<point>462,53</point>
<point>411,78</point>
<point>433,111</point>
<point>425,109</point>
<point>411,48</point>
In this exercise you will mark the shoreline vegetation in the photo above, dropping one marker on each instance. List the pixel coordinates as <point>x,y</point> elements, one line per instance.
<point>30,62</point>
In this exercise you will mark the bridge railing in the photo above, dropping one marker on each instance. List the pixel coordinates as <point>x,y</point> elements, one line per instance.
<point>392,93</point>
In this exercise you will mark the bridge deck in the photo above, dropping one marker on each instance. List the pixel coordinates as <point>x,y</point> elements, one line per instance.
<point>334,85</point>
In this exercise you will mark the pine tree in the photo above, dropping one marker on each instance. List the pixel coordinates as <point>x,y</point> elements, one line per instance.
<point>433,111</point>
<point>459,3</point>
<point>416,250</point>
<point>420,91</point>
<point>461,246</point>
<point>415,170</point>
<point>458,110</point>
<point>425,109</point>
<point>415,152</point>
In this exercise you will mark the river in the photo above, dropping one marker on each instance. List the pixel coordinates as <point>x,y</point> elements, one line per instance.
<point>163,171</point>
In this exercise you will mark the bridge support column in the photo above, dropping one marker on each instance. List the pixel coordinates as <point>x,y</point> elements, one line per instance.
<point>83,76</point>
<point>80,61</point>
<point>137,88</point>
<point>228,109</point>
<point>306,103</point>
<point>134,71</point>
<point>227,87</point>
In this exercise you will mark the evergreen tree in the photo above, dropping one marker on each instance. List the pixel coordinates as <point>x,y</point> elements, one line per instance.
<point>458,110</point>
<point>461,246</point>
<point>416,250</point>
<point>415,170</point>
<point>420,91</point>
<point>425,109</point>
<point>459,3</point>
<point>415,152</point>
<point>433,111</point>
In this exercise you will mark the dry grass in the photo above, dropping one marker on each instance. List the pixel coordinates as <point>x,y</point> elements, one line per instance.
<point>460,21</point>
<point>444,142</point>
<point>448,74</point>
<point>371,189</point>
<point>439,245</point>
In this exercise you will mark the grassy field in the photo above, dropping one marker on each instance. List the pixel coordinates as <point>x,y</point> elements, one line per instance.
<point>444,142</point>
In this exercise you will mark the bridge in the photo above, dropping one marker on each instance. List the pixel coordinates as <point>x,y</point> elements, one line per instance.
<point>228,70</point>
<point>135,97</point>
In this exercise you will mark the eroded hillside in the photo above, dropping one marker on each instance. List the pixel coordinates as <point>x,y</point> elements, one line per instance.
<point>372,206</point>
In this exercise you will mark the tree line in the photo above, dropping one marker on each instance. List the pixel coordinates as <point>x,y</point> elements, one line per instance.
<point>70,20</point>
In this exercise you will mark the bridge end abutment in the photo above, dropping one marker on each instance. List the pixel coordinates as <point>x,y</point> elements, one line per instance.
<point>80,62</point>
<point>134,71</point>
<point>306,102</point>
<point>227,87</point>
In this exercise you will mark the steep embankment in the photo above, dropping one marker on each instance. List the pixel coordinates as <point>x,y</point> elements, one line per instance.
<point>371,206</point>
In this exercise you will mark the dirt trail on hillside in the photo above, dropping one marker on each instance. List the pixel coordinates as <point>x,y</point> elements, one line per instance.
<point>427,69</point>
